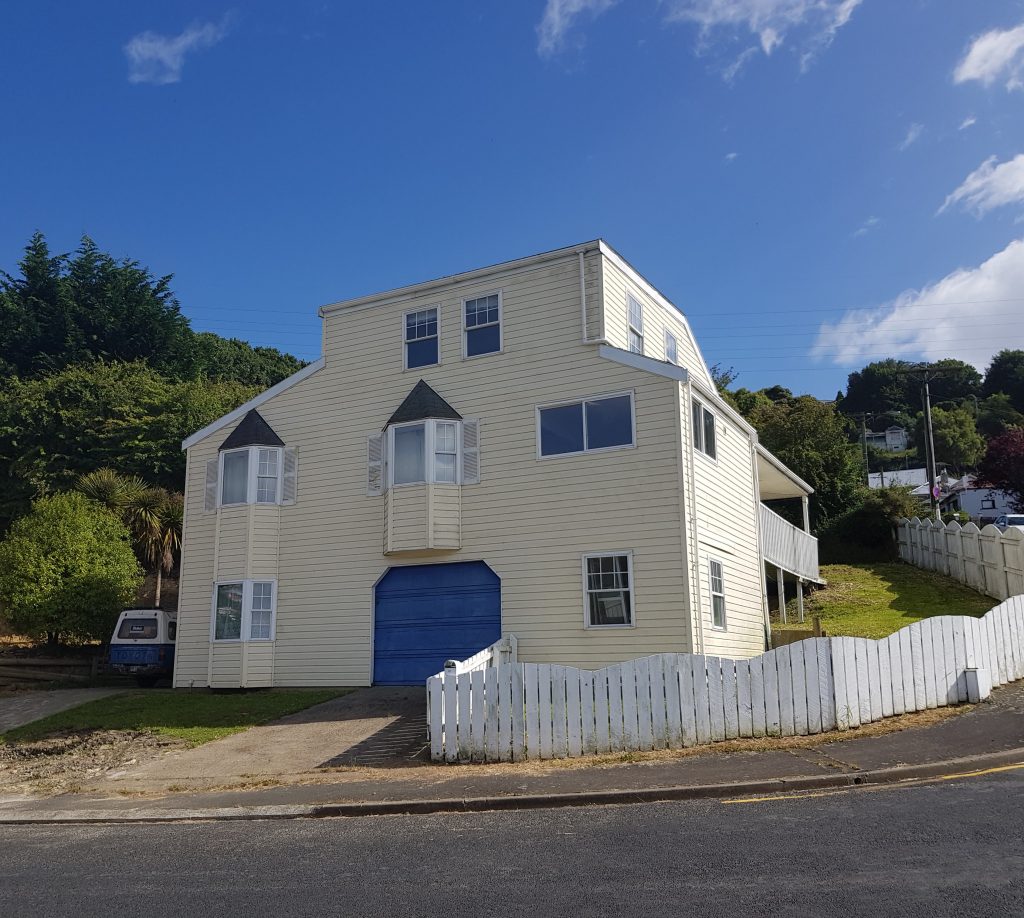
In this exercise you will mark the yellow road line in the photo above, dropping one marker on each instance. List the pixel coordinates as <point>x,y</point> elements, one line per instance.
<point>771,798</point>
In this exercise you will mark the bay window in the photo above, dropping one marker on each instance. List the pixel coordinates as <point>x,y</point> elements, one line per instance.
<point>251,475</point>
<point>425,452</point>
<point>244,610</point>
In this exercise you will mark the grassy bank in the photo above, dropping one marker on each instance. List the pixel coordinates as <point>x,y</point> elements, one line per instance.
<point>874,600</point>
<point>196,718</point>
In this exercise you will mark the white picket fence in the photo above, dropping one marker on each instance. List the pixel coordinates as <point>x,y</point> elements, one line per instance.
<point>519,711</point>
<point>986,560</point>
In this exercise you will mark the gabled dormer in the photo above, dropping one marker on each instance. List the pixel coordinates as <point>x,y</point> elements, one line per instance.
<point>253,466</point>
<point>419,461</point>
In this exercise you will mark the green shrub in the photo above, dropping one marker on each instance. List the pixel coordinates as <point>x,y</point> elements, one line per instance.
<point>67,569</point>
<point>865,532</point>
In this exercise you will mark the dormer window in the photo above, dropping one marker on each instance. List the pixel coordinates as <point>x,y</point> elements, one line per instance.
<point>253,467</point>
<point>426,452</point>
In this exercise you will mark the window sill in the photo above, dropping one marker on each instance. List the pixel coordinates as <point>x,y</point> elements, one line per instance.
<point>425,366</point>
<point>588,452</point>
<point>478,356</point>
<point>712,459</point>
<point>588,627</point>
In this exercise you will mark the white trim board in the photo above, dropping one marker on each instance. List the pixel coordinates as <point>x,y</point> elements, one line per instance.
<point>640,362</point>
<point>242,410</point>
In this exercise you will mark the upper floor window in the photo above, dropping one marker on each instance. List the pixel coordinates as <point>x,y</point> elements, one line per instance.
<point>421,341</point>
<point>483,325</point>
<point>704,437</point>
<point>671,348</point>
<point>424,452</point>
<point>251,475</point>
<point>636,324</point>
<point>583,426</point>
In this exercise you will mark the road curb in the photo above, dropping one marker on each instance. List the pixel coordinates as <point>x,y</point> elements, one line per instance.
<point>948,769</point>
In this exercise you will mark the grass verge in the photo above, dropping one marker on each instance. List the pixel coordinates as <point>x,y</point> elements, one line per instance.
<point>196,718</point>
<point>874,600</point>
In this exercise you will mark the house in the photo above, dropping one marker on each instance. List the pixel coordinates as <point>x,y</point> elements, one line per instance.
<point>983,505</point>
<point>535,448</point>
<point>891,440</point>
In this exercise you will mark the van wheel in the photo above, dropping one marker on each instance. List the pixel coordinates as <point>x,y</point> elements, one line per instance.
<point>146,681</point>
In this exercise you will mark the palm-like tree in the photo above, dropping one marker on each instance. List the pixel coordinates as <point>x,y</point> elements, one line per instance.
<point>152,515</point>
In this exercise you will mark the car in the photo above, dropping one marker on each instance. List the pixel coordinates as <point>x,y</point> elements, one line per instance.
<point>1010,521</point>
<point>143,645</point>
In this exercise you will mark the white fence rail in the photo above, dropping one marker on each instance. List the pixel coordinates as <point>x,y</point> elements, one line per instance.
<point>520,711</point>
<point>787,546</point>
<point>986,560</point>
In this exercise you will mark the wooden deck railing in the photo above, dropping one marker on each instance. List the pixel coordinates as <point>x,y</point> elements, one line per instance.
<point>787,546</point>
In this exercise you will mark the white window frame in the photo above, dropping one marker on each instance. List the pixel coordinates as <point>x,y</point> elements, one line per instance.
<point>246,626</point>
<point>586,589</point>
<point>632,328</point>
<point>582,401</point>
<point>252,484</point>
<point>670,336</point>
<point>701,447</point>
<point>500,323</point>
<point>405,341</point>
<point>430,446</point>
<point>712,593</point>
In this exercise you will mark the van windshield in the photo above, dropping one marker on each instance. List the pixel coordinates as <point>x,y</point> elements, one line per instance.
<point>139,628</point>
<point>1016,519</point>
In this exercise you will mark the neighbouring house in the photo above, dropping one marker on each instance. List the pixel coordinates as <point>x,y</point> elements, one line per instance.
<point>900,478</point>
<point>892,439</point>
<point>535,448</point>
<point>982,504</point>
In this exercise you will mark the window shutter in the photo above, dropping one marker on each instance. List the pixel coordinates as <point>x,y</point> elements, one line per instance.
<point>212,473</point>
<point>470,451</point>
<point>375,464</point>
<point>289,478</point>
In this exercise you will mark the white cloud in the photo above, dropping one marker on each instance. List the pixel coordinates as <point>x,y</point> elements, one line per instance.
<point>867,226</point>
<point>913,133</point>
<point>771,21</point>
<point>989,186</point>
<point>993,57</point>
<point>558,19</point>
<point>969,121</point>
<point>731,157</point>
<point>154,58</point>
<point>968,314</point>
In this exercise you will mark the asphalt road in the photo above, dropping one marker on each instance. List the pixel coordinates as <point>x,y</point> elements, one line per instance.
<point>950,848</point>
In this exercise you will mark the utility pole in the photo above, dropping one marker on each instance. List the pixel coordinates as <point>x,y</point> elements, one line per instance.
<point>864,443</point>
<point>930,445</point>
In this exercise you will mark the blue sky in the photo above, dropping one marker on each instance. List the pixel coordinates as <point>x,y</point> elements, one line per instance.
<point>816,183</point>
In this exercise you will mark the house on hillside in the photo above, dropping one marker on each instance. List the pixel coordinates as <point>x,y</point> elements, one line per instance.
<point>900,478</point>
<point>535,448</point>
<point>891,440</point>
<point>982,504</point>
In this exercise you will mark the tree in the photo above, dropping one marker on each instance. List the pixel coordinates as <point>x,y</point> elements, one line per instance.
<point>810,437</point>
<point>957,441</point>
<point>1003,466</point>
<point>153,517</point>
<point>887,386</point>
<point>1006,375</point>
<point>56,428</point>
<point>865,531</point>
<point>67,570</point>
<point>214,357</point>
<point>996,415</point>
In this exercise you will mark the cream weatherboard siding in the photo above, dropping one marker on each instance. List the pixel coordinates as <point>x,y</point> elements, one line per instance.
<point>531,519</point>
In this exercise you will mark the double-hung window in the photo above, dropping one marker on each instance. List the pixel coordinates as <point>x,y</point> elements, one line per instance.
<point>424,452</point>
<point>717,579</point>
<point>608,588</point>
<point>421,340</point>
<point>635,310</point>
<point>584,426</point>
<point>671,348</point>
<point>244,610</point>
<point>250,475</point>
<point>704,437</point>
<point>482,325</point>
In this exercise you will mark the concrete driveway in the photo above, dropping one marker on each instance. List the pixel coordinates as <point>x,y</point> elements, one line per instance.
<point>371,726</point>
<point>20,708</point>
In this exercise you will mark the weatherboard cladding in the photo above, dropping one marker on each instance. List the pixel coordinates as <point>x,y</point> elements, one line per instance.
<point>423,402</point>
<point>252,430</point>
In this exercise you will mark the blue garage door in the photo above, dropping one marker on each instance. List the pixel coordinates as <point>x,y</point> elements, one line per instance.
<point>428,613</point>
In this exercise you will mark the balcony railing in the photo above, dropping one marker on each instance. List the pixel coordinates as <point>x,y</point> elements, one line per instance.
<point>787,546</point>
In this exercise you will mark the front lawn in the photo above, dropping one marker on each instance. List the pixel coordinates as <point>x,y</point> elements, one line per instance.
<point>196,718</point>
<point>874,600</point>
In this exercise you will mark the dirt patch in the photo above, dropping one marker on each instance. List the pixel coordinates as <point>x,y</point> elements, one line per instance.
<point>65,762</point>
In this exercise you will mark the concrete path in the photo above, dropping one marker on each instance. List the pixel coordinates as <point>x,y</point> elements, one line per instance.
<point>20,708</point>
<point>302,742</point>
